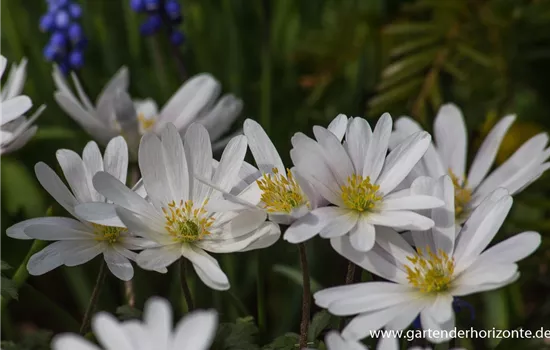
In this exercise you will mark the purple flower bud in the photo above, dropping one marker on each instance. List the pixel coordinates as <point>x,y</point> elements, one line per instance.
<point>76,59</point>
<point>58,41</point>
<point>151,25</point>
<point>152,5</point>
<point>75,32</point>
<point>75,10</point>
<point>64,67</point>
<point>49,53</point>
<point>62,19</point>
<point>172,8</point>
<point>47,22</point>
<point>177,38</point>
<point>137,5</point>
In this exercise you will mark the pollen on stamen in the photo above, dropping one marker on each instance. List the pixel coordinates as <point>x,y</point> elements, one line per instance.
<point>185,223</point>
<point>359,194</point>
<point>463,196</point>
<point>280,193</point>
<point>109,234</point>
<point>430,272</point>
<point>145,124</point>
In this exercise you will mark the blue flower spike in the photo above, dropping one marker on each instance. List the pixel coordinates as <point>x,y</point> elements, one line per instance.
<point>160,13</point>
<point>67,40</point>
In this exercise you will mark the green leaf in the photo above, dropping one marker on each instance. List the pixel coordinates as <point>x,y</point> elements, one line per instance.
<point>289,341</point>
<point>4,265</point>
<point>319,322</point>
<point>9,289</point>
<point>126,312</point>
<point>39,340</point>
<point>393,95</point>
<point>413,45</point>
<point>18,186</point>
<point>409,28</point>
<point>241,335</point>
<point>496,312</point>
<point>295,275</point>
<point>475,55</point>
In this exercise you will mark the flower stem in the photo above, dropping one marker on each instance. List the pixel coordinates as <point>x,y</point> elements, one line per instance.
<point>260,296</point>
<point>350,276</point>
<point>306,297</point>
<point>129,292</point>
<point>185,286</point>
<point>266,69</point>
<point>94,298</point>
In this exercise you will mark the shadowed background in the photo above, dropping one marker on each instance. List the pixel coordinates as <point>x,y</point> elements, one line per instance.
<point>295,64</point>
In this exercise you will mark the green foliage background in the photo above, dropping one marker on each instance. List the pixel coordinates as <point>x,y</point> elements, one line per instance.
<point>295,64</point>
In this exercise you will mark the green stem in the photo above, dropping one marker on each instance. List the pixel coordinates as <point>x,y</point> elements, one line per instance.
<point>260,296</point>
<point>22,274</point>
<point>266,71</point>
<point>129,292</point>
<point>94,298</point>
<point>306,296</point>
<point>184,286</point>
<point>241,308</point>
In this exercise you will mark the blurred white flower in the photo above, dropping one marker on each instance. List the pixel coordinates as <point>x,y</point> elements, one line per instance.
<point>426,279</point>
<point>176,217</point>
<point>116,114</point>
<point>282,193</point>
<point>16,129</point>
<point>449,154</point>
<point>195,331</point>
<point>79,241</point>
<point>359,180</point>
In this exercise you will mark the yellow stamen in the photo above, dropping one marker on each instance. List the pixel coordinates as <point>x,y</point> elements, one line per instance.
<point>359,194</point>
<point>463,196</point>
<point>109,234</point>
<point>185,223</point>
<point>430,272</point>
<point>145,124</point>
<point>280,193</point>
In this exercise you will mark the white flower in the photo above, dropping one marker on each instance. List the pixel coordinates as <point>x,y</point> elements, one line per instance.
<point>195,331</point>
<point>79,241</point>
<point>281,192</point>
<point>15,129</point>
<point>116,114</point>
<point>449,154</point>
<point>176,217</point>
<point>425,281</point>
<point>359,180</point>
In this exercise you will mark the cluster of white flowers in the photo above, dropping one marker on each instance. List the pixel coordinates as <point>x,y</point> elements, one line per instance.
<point>390,201</point>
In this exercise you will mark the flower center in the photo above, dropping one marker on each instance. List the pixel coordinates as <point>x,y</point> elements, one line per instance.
<point>109,234</point>
<point>281,193</point>
<point>185,223</point>
<point>145,124</point>
<point>463,196</point>
<point>430,272</point>
<point>359,194</point>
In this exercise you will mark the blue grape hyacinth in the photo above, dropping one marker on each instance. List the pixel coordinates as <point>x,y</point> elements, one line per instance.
<point>67,40</point>
<point>160,14</point>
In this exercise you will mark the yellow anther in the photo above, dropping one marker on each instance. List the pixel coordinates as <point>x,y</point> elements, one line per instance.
<point>430,272</point>
<point>145,124</point>
<point>280,193</point>
<point>359,194</point>
<point>463,196</point>
<point>185,223</point>
<point>109,234</point>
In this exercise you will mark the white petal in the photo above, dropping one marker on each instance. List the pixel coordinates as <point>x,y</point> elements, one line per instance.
<point>195,331</point>
<point>338,159</point>
<point>340,225</point>
<point>334,341</point>
<point>442,308</point>
<point>154,169</point>
<point>116,158</point>
<point>69,341</point>
<point>361,326</point>
<point>412,202</point>
<point>157,315</point>
<point>18,230</point>
<point>99,213</point>
<point>158,258</point>
<point>56,232</point>
<point>338,126</point>
<point>408,314</point>
<point>513,249</point>
<point>486,154</point>
<point>264,152</point>
<point>401,219</point>
<point>207,268</point>
<point>14,108</point>
<point>177,165</point>
<point>428,322</point>
<point>479,230</point>
<point>485,273</point>
<point>93,161</point>
<point>394,245</point>
<point>220,118</point>
<point>378,147</point>
<point>48,258</point>
<point>198,152</point>
<point>80,252</point>
<point>104,103</point>
<point>227,172</point>
<point>75,174</point>
<point>358,137</point>
<point>118,265</point>
<point>375,260</point>
<point>402,159</point>
<point>110,333</point>
<point>451,138</point>
<point>312,223</point>
<point>55,187</point>
<point>362,236</point>
<point>269,234</point>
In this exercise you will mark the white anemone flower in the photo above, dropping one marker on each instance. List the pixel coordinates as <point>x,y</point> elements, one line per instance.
<point>197,100</point>
<point>281,192</point>
<point>195,331</point>
<point>175,217</point>
<point>359,180</point>
<point>449,155</point>
<point>16,129</point>
<point>426,280</point>
<point>77,241</point>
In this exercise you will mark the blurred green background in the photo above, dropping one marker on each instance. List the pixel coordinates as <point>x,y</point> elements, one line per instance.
<point>295,64</point>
